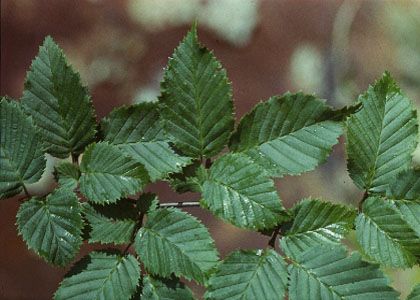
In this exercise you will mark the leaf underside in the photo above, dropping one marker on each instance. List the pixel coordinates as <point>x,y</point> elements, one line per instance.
<point>21,156</point>
<point>58,102</point>
<point>174,242</point>
<point>381,136</point>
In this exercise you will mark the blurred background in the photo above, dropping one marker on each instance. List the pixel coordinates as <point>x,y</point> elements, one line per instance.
<point>120,47</point>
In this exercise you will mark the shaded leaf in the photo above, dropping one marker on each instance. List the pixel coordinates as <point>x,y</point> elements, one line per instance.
<point>415,293</point>
<point>67,175</point>
<point>406,185</point>
<point>155,288</point>
<point>147,203</point>
<point>112,223</point>
<point>21,157</point>
<point>58,102</point>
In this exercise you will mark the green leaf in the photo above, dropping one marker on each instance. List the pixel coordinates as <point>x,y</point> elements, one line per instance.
<point>410,210</point>
<point>132,124</point>
<point>174,242</point>
<point>326,272</point>
<point>259,274</point>
<point>197,106</point>
<point>21,157</point>
<point>67,175</point>
<point>164,289</point>
<point>113,223</point>
<point>158,158</point>
<point>381,136</point>
<point>52,227</point>
<point>137,131</point>
<point>287,134</point>
<point>316,222</point>
<point>105,276</point>
<point>383,232</point>
<point>415,293</point>
<point>405,186</point>
<point>190,179</point>
<point>108,174</point>
<point>58,102</point>
<point>238,191</point>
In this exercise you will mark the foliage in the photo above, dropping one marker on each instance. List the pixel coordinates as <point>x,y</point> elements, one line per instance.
<point>188,139</point>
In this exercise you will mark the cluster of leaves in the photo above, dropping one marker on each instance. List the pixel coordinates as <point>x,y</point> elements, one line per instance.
<point>179,139</point>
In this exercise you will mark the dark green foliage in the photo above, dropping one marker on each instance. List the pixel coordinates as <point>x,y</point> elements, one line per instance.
<point>58,103</point>
<point>182,139</point>
<point>21,157</point>
<point>52,227</point>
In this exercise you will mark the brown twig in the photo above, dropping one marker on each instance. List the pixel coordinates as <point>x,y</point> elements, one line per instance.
<point>272,241</point>
<point>365,196</point>
<point>180,204</point>
<point>133,235</point>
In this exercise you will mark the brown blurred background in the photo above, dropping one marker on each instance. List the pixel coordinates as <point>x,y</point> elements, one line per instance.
<point>331,48</point>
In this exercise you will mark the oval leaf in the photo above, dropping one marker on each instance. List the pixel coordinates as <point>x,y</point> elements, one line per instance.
<point>174,242</point>
<point>196,100</point>
<point>326,272</point>
<point>385,235</point>
<point>238,191</point>
<point>138,132</point>
<point>316,222</point>
<point>259,274</point>
<point>52,227</point>
<point>381,136</point>
<point>102,276</point>
<point>58,102</point>
<point>108,174</point>
<point>287,134</point>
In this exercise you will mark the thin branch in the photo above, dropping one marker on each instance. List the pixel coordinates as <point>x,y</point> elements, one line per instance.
<point>365,196</point>
<point>75,158</point>
<point>133,235</point>
<point>180,204</point>
<point>272,241</point>
<point>208,163</point>
<point>26,191</point>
